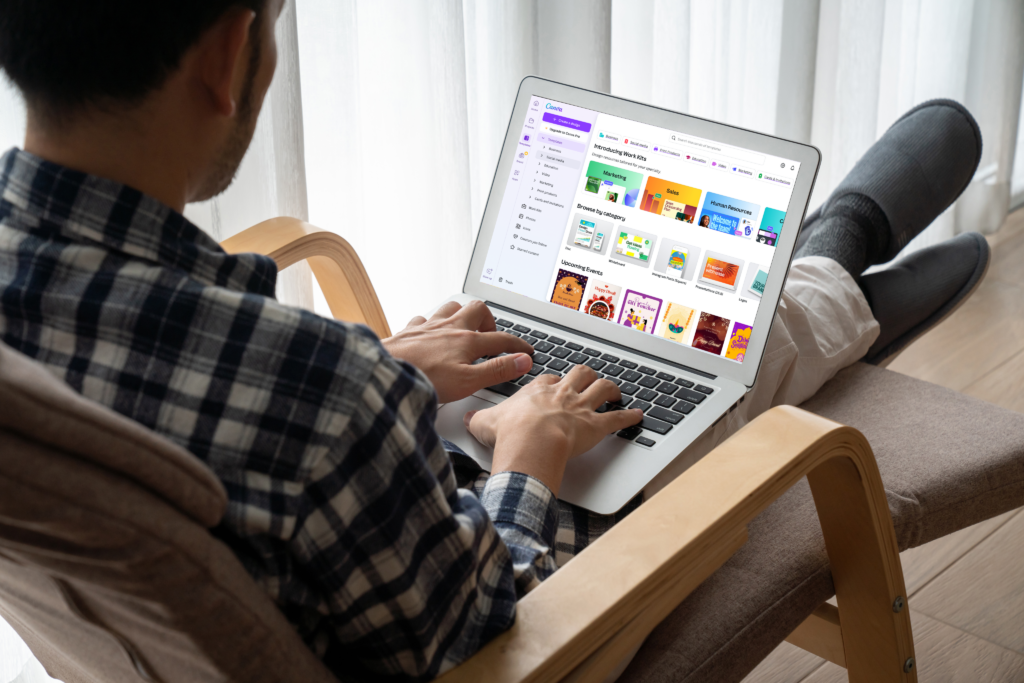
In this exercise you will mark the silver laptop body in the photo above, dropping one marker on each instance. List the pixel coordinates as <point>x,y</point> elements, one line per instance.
<point>652,246</point>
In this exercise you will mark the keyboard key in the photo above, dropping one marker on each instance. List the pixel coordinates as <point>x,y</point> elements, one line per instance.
<point>656,426</point>
<point>556,340</point>
<point>505,388</point>
<point>540,335</point>
<point>665,415</point>
<point>525,380</point>
<point>543,346</point>
<point>613,370</point>
<point>683,407</point>
<point>560,352</point>
<point>648,382</point>
<point>691,396</point>
<point>557,365</point>
<point>623,401</point>
<point>631,375</point>
<point>644,441</point>
<point>667,388</point>
<point>610,358</point>
<point>596,363</point>
<point>541,359</point>
<point>504,323</point>
<point>578,358</point>
<point>664,401</point>
<point>550,372</point>
<point>629,433</point>
<point>640,405</point>
<point>703,389</point>
<point>628,364</point>
<point>514,334</point>
<point>684,382</point>
<point>605,407</point>
<point>521,328</point>
<point>665,376</point>
<point>614,380</point>
<point>499,328</point>
<point>535,370</point>
<point>592,352</point>
<point>574,346</point>
<point>646,370</point>
<point>530,340</point>
<point>628,389</point>
<point>646,395</point>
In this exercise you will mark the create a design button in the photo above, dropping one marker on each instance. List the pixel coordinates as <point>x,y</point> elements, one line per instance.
<point>566,122</point>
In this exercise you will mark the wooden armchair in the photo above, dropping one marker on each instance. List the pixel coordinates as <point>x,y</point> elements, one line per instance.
<point>594,612</point>
<point>109,573</point>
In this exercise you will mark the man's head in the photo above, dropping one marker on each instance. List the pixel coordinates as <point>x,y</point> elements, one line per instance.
<point>179,79</point>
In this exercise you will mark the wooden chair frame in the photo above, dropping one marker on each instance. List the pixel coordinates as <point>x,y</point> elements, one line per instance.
<point>581,623</point>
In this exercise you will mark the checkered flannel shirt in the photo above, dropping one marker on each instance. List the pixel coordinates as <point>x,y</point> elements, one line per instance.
<point>391,552</point>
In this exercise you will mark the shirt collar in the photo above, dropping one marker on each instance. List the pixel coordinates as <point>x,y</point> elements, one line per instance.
<point>60,203</point>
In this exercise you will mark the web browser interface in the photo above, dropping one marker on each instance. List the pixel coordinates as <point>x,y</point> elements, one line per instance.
<point>661,232</point>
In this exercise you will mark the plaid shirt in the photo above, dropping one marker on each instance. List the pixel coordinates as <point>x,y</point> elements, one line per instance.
<point>390,551</point>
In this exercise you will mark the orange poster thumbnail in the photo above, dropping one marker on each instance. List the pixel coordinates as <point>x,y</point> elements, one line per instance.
<point>720,272</point>
<point>670,199</point>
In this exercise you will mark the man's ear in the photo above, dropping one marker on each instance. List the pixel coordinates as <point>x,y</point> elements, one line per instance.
<point>223,55</point>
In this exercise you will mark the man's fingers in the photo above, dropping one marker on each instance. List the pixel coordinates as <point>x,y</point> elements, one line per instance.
<point>580,377</point>
<point>480,424</point>
<point>501,369</point>
<point>614,420</point>
<point>446,310</point>
<point>418,320</point>
<point>475,316</point>
<point>600,392</point>
<point>495,343</point>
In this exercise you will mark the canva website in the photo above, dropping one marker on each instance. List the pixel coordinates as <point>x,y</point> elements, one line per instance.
<point>656,230</point>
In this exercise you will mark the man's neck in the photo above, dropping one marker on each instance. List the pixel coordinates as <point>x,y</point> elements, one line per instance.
<point>117,148</point>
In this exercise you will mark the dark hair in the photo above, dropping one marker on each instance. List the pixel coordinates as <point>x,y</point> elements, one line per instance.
<point>66,54</point>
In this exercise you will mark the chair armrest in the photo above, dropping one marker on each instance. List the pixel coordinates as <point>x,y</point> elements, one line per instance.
<point>335,264</point>
<point>581,622</point>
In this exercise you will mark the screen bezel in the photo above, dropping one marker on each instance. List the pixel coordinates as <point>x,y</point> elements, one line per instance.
<point>808,156</point>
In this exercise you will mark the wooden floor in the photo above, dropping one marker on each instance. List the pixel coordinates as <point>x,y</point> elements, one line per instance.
<point>966,590</point>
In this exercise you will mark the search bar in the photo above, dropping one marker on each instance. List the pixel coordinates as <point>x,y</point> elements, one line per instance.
<point>713,148</point>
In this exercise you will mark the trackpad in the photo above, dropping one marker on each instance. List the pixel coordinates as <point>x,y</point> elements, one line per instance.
<point>450,426</point>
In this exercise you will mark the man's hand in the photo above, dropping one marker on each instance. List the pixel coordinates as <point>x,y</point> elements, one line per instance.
<point>445,347</point>
<point>539,428</point>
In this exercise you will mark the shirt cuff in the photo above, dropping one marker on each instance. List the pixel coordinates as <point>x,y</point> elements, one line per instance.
<point>513,498</point>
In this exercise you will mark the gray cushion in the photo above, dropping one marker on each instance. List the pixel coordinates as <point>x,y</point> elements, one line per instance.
<point>947,460</point>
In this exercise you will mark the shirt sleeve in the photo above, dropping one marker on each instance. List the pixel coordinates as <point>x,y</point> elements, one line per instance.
<point>415,574</point>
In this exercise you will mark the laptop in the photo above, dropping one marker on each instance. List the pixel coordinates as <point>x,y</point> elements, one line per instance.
<point>650,245</point>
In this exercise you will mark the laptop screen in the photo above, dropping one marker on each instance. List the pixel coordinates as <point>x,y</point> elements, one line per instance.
<point>656,230</point>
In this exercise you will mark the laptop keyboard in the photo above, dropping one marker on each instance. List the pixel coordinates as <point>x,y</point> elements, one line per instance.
<point>665,399</point>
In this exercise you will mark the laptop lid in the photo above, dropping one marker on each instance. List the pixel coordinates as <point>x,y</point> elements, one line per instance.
<point>657,231</point>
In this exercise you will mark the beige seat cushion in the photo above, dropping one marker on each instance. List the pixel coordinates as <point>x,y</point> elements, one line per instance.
<point>947,460</point>
<point>105,551</point>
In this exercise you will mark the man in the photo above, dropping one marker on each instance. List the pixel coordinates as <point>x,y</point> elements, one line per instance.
<point>344,503</point>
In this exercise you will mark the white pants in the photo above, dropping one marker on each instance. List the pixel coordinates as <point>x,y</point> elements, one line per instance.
<point>823,324</point>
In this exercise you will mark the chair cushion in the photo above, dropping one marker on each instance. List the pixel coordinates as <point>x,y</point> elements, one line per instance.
<point>947,461</point>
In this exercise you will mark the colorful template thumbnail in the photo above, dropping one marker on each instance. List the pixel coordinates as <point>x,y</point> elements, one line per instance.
<point>728,215</point>
<point>758,283</point>
<point>639,311</point>
<point>738,341</point>
<point>711,333</point>
<point>670,199</point>
<point>568,290</point>
<point>677,262</point>
<point>677,323</point>
<point>634,246</point>
<point>613,184</point>
<point>719,272</point>
<point>771,226</point>
<point>602,300</point>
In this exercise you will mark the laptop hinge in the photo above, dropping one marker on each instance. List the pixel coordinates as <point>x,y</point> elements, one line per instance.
<point>603,341</point>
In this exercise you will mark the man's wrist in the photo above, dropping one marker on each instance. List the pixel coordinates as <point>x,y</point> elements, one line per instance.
<point>541,453</point>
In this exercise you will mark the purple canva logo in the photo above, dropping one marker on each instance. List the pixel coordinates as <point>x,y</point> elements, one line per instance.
<point>551,106</point>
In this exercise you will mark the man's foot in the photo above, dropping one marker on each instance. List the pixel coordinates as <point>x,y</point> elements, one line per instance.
<point>915,294</point>
<point>904,181</point>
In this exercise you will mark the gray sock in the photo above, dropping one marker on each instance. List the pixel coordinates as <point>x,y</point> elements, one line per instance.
<point>854,233</point>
